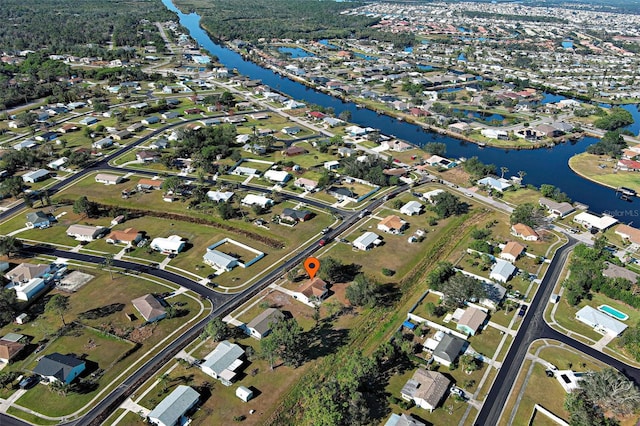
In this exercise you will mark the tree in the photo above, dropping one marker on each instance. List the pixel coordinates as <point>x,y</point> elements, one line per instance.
<point>469,364</point>
<point>269,350</point>
<point>330,270</point>
<point>107,264</point>
<point>362,291</point>
<point>58,304</point>
<point>582,412</point>
<point>345,115</point>
<point>9,245</point>
<point>630,339</point>
<point>13,185</point>
<point>83,206</point>
<point>172,184</point>
<point>61,388</point>
<point>611,391</point>
<point>611,144</point>
<point>503,170</point>
<point>286,341</point>
<point>435,148</point>
<point>521,174</point>
<point>616,119</point>
<point>461,288</point>
<point>7,378</point>
<point>446,204</point>
<point>7,303</point>
<point>440,275</point>
<point>216,329</point>
<point>526,213</point>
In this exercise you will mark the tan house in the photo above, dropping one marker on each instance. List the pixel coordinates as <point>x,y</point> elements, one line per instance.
<point>511,251</point>
<point>9,350</point>
<point>129,236</point>
<point>149,307</point>
<point>471,320</point>
<point>312,292</point>
<point>392,224</point>
<point>525,232</point>
<point>426,388</point>
<point>627,232</point>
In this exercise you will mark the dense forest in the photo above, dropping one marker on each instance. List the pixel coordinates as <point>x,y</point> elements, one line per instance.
<point>79,27</point>
<point>251,20</point>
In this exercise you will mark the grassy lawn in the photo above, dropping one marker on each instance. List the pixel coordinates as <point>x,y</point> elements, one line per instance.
<point>521,196</point>
<point>505,348</point>
<point>502,317</point>
<point>588,166</point>
<point>486,342</point>
<point>542,390</point>
<point>511,402</point>
<point>30,417</point>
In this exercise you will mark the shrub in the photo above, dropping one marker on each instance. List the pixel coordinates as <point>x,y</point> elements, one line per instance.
<point>388,272</point>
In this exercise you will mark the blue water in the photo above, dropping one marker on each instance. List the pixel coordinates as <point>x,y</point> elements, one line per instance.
<point>567,44</point>
<point>326,43</point>
<point>541,165</point>
<point>613,312</point>
<point>295,52</point>
<point>365,57</point>
<point>462,57</point>
<point>425,67</point>
<point>408,49</point>
<point>463,30</point>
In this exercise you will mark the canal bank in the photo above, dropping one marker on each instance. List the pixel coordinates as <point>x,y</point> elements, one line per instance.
<point>545,165</point>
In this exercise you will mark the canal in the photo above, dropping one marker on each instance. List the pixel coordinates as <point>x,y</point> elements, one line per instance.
<point>541,165</point>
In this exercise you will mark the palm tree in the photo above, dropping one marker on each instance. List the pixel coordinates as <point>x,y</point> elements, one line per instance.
<point>503,170</point>
<point>108,264</point>
<point>521,174</point>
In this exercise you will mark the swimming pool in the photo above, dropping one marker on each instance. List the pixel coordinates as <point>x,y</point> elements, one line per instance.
<point>613,312</point>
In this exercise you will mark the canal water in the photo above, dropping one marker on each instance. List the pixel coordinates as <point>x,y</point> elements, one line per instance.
<point>541,165</point>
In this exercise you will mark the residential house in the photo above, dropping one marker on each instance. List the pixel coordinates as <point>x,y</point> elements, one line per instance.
<point>135,127</point>
<point>85,232</point>
<point>150,120</point>
<point>56,367</point>
<point>219,260</point>
<point>102,143</point>
<point>149,307</point>
<point>26,144</point>
<point>367,241</point>
<point>392,225</point>
<point>437,161</point>
<point>499,184</point>
<point>149,184</point>
<point>252,147</point>
<point>219,196</point>
<point>396,145</point>
<point>429,196</point>
<point>511,251</point>
<point>525,232</point>
<point>448,349</point>
<point>292,215</point>
<point>259,200</point>
<point>343,151</point>
<point>277,176</point>
<point>292,151</point>
<point>629,233</point>
<point>26,272</point>
<point>494,134</point>
<point>245,171</point>
<point>121,135</point>
<point>160,143</point>
<point>9,350</point>
<point>628,165</point>
<point>169,115</point>
<point>172,410</point>
<point>294,130</point>
<point>108,179</point>
<point>460,127</point>
<point>502,271</point>
<point>47,137</point>
<point>129,236</point>
<point>223,362</point>
<point>88,121</point>
<point>494,294</point>
<point>426,388</point>
<point>260,326</point>
<point>332,165</point>
<point>57,164</point>
<point>568,379</point>
<point>307,184</point>
<point>601,322</point>
<point>28,290</point>
<point>403,420</point>
<point>312,292</point>
<point>411,208</point>
<point>555,208</point>
<point>170,245</point>
<point>594,221</point>
<point>68,128</point>
<point>147,156</point>
<point>471,320</point>
<point>341,193</point>
<point>39,219</point>
<point>35,176</point>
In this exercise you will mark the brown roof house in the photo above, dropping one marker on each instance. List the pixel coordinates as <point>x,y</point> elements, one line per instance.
<point>525,232</point>
<point>129,236</point>
<point>9,350</point>
<point>511,251</point>
<point>426,388</point>
<point>150,308</point>
<point>471,320</point>
<point>392,224</point>
<point>312,292</point>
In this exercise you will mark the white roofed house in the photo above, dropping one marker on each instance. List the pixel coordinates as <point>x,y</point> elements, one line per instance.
<point>58,164</point>
<point>367,241</point>
<point>307,184</point>
<point>502,271</point>
<point>108,179</point>
<point>35,176</point>
<point>103,143</point>
<point>277,176</point>
<point>245,171</point>
<point>601,322</point>
<point>592,221</point>
<point>252,200</point>
<point>172,410</point>
<point>173,244</point>
<point>85,232</point>
<point>219,196</point>
<point>223,362</point>
<point>412,208</point>
<point>219,260</point>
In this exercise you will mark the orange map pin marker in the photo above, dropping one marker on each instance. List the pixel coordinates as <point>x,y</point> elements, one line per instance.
<point>311,265</point>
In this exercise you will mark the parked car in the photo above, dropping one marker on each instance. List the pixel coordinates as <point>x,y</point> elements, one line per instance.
<point>456,391</point>
<point>522,311</point>
<point>28,382</point>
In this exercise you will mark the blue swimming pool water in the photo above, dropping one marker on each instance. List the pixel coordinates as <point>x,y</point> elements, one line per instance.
<point>613,312</point>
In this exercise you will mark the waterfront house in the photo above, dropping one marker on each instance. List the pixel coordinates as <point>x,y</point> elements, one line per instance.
<point>555,208</point>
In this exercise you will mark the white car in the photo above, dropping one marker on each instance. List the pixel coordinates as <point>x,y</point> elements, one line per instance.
<point>456,391</point>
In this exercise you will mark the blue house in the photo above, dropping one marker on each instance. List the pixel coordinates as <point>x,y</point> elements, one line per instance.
<point>88,121</point>
<point>39,220</point>
<point>56,367</point>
